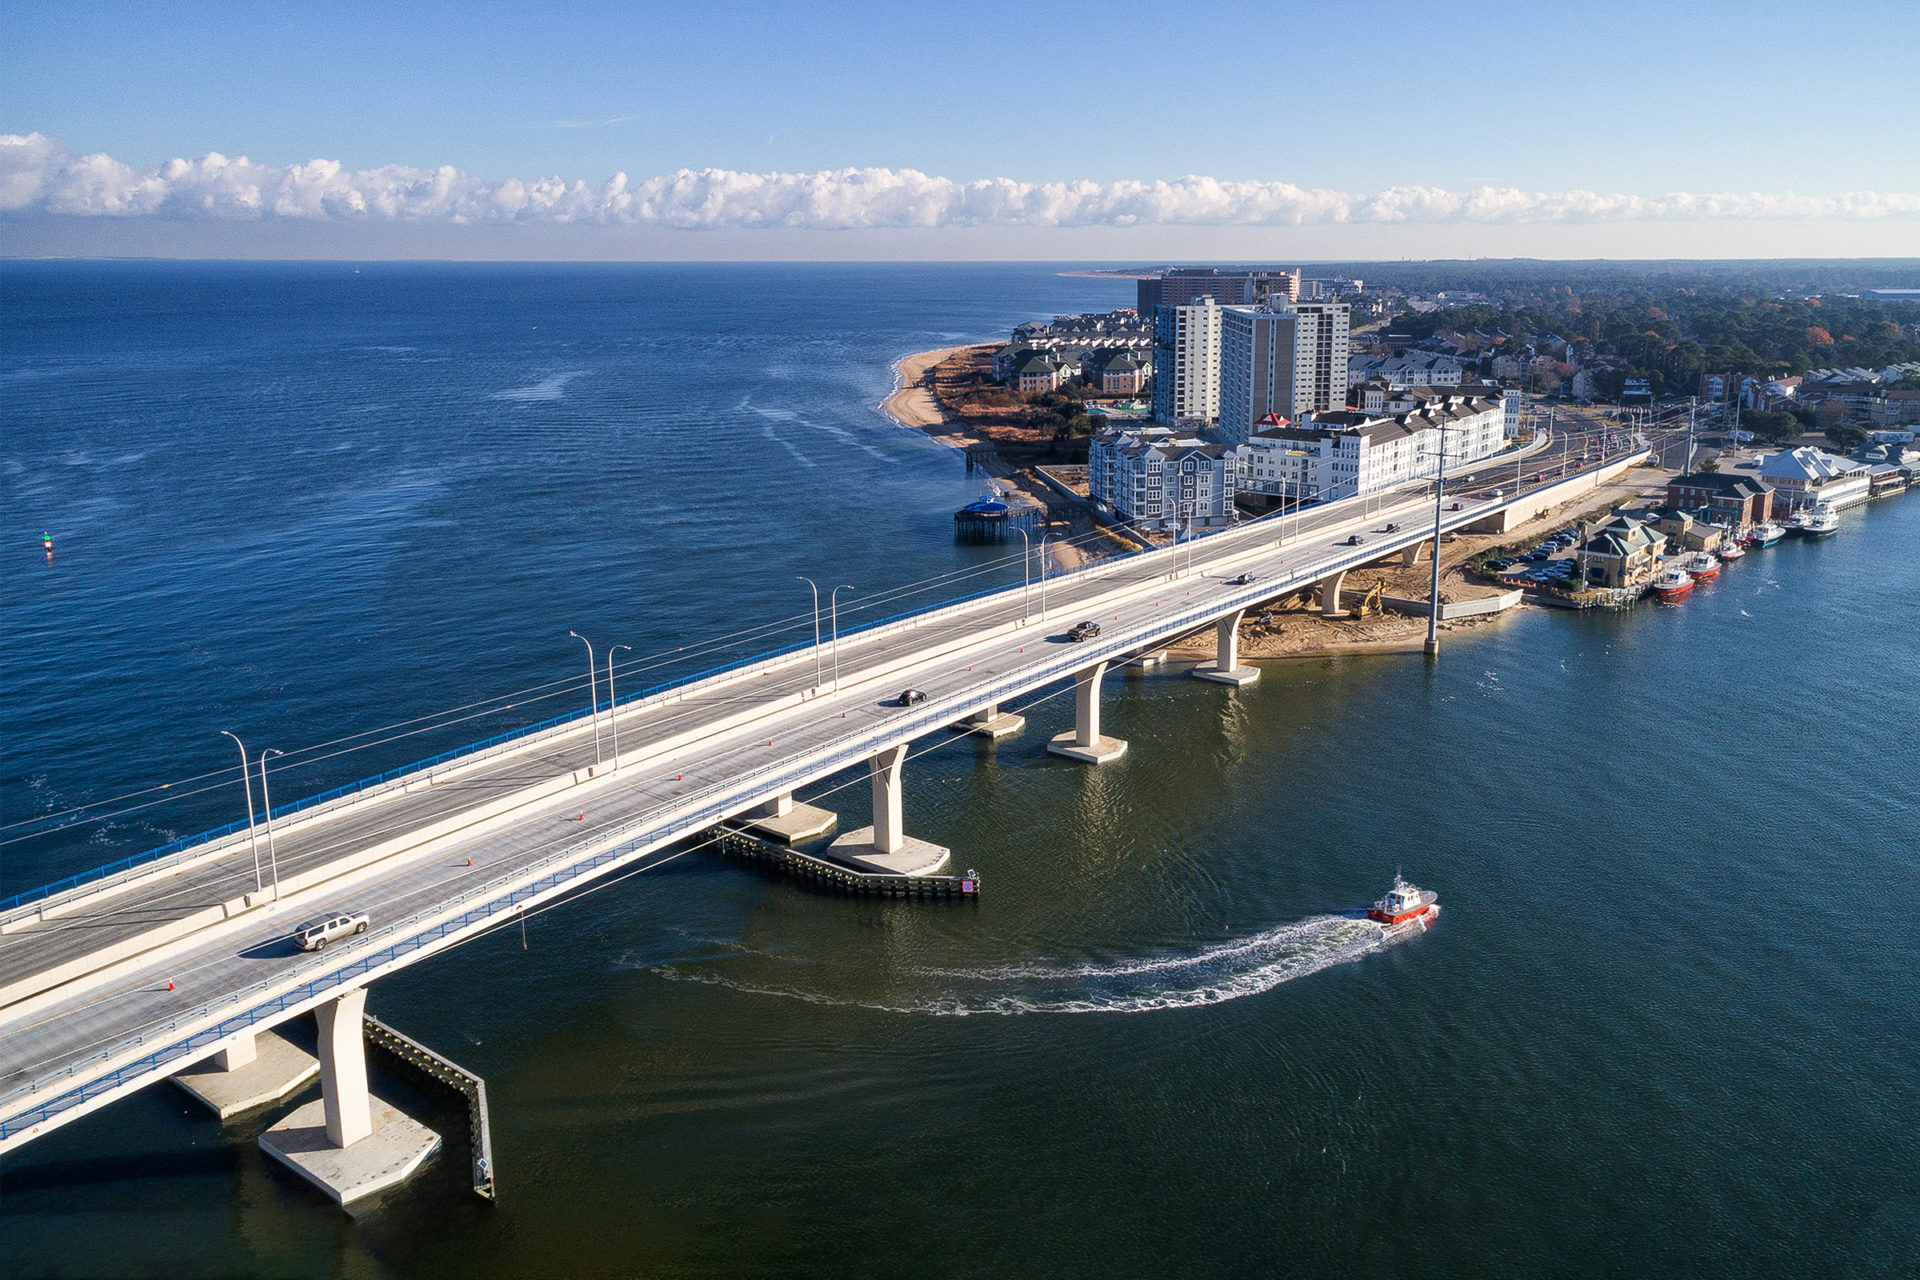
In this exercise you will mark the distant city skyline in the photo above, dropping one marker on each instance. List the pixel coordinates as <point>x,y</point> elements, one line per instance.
<point>593,130</point>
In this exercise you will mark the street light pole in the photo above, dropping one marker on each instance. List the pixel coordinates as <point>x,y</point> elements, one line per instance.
<point>266,799</point>
<point>816,628</point>
<point>613,707</point>
<point>1043,575</point>
<point>1439,493</point>
<point>833,613</point>
<point>246,781</point>
<point>593,693</point>
<point>1026,573</point>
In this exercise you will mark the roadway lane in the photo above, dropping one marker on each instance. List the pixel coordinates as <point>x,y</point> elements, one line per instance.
<point>250,952</point>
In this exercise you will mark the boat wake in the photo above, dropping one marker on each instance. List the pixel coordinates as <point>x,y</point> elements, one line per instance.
<point>1210,975</point>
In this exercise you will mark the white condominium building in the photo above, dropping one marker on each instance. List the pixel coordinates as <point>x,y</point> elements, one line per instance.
<point>1186,362</point>
<point>1287,358</point>
<point>1345,454</point>
<point>1161,479</point>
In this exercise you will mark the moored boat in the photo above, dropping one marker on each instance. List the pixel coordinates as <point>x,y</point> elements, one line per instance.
<point>1819,521</point>
<point>1702,565</point>
<point>1673,583</point>
<point>1405,907</point>
<point>1765,534</point>
<point>1732,550</point>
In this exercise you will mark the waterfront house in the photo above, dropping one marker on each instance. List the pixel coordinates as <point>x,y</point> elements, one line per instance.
<point>1722,497</point>
<point>1624,553</point>
<point>1802,477</point>
<point>1039,372</point>
<point>1686,532</point>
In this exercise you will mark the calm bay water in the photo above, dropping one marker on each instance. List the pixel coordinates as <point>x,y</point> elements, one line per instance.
<point>1667,1025</point>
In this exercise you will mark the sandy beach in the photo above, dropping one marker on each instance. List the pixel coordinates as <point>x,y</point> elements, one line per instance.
<point>913,403</point>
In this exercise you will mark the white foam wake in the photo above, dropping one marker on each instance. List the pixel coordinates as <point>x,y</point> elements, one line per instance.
<point>1210,975</point>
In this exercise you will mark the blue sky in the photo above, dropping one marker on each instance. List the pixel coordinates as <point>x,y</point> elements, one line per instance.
<point>1628,100</point>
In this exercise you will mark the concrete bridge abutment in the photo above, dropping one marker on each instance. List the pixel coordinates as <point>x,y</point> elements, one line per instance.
<point>349,1143</point>
<point>1226,668</point>
<point>885,846</point>
<point>1085,741</point>
<point>991,722</point>
<point>781,819</point>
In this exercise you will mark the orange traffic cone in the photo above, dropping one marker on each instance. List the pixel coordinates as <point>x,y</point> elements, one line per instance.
<point>169,984</point>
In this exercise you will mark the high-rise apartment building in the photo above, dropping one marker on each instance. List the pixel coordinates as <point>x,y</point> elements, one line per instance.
<point>1184,286</point>
<point>1286,358</point>
<point>1186,362</point>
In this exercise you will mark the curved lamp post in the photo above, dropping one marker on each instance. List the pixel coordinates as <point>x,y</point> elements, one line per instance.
<point>593,693</point>
<point>246,782</point>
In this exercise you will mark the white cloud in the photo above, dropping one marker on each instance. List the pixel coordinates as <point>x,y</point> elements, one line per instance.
<point>39,176</point>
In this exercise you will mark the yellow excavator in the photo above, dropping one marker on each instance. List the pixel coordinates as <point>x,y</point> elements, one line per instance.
<point>1369,603</point>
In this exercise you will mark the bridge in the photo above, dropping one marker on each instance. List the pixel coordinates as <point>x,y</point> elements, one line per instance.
<point>181,961</point>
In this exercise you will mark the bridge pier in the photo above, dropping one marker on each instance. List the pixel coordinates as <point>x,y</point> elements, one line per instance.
<point>781,819</point>
<point>1085,741</point>
<point>885,846</point>
<point>991,722</point>
<point>349,1143</point>
<point>1330,595</point>
<point>252,1070</point>
<point>1226,668</point>
<point>1411,556</point>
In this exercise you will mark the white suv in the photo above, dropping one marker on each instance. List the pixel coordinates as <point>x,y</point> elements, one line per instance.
<point>314,935</point>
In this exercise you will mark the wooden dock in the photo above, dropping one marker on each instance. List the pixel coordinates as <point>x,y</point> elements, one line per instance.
<point>778,859</point>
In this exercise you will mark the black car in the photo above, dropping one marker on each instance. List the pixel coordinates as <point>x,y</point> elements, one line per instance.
<point>1083,631</point>
<point>1355,540</point>
<point>1393,528</point>
<point>912,697</point>
<point>1240,581</point>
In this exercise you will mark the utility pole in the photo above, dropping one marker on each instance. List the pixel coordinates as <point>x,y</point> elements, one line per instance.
<point>1433,602</point>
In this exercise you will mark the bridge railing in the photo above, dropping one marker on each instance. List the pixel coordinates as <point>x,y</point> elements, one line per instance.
<point>677,689</point>
<point>578,861</point>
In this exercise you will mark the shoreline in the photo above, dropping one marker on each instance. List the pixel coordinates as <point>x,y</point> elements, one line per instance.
<point>913,405</point>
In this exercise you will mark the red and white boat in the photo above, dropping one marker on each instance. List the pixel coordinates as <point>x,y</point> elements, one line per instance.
<point>1731,549</point>
<point>1674,583</point>
<point>1702,565</point>
<point>1406,907</point>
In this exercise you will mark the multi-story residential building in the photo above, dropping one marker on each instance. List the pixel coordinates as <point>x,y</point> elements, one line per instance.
<point>1802,477</point>
<point>1723,497</point>
<point>1038,371</point>
<point>1186,362</point>
<point>1344,453</point>
<point>1116,373</point>
<point>1406,369</point>
<point>1159,478</point>
<point>1286,358</point>
<point>1625,552</point>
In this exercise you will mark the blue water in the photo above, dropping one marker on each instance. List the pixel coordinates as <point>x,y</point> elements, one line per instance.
<point>1668,1023</point>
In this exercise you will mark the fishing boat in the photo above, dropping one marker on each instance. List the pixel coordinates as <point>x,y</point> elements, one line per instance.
<point>1674,583</point>
<point>1702,565</point>
<point>1765,534</point>
<point>1406,907</point>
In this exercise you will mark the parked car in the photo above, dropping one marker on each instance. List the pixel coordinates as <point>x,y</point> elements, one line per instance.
<point>314,935</point>
<point>1083,631</point>
<point>911,697</point>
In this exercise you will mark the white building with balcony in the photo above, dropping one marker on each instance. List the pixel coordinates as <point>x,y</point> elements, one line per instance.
<point>1159,478</point>
<point>1802,477</point>
<point>1347,454</point>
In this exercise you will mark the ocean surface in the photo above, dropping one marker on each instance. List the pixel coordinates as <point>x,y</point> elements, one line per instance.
<point>1669,1023</point>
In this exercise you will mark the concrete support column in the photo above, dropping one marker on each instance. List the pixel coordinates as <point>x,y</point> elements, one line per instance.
<point>239,1052</point>
<point>1330,594</point>
<point>778,807</point>
<point>1086,705</point>
<point>1085,741</point>
<point>1226,668</point>
<point>343,1068</point>
<point>889,822</point>
<point>1227,641</point>
<point>991,722</point>
<point>1411,556</point>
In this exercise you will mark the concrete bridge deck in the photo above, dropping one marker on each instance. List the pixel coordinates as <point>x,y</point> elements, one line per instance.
<point>447,857</point>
